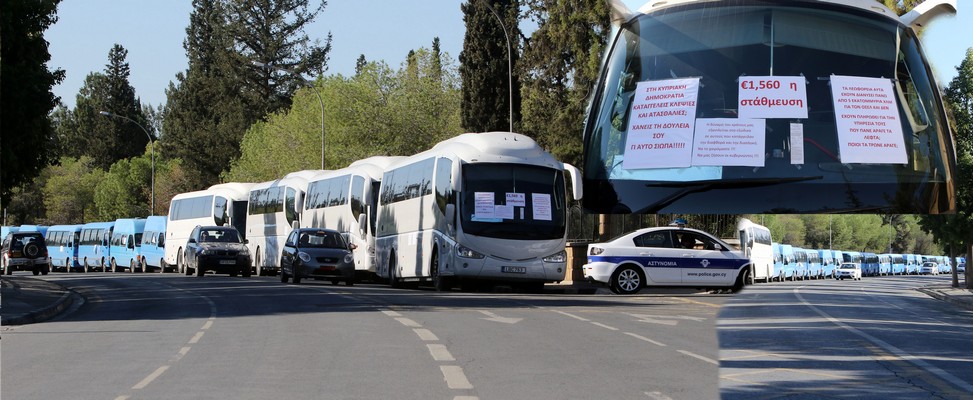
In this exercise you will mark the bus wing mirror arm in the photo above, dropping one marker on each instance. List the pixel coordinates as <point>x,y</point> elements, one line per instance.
<point>362,220</point>
<point>450,217</point>
<point>927,11</point>
<point>576,190</point>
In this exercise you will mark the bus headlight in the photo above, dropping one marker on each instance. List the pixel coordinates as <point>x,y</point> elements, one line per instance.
<point>304,256</point>
<point>559,257</point>
<point>466,252</point>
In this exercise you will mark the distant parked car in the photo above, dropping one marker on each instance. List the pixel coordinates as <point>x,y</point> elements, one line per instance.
<point>24,251</point>
<point>218,249</point>
<point>317,253</point>
<point>851,271</point>
<point>929,268</point>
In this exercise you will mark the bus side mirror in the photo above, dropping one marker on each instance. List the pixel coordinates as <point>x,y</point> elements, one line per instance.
<point>450,216</point>
<point>362,220</point>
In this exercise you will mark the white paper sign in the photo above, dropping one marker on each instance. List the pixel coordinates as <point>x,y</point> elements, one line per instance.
<point>542,206</point>
<point>867,118</point>
<point>504,212</point>
<point>516,200</point>
<point>772,97</point>
<point>660,124</point>
<point>797,143</point>
<point>729,142</point>
<point>484,205</point>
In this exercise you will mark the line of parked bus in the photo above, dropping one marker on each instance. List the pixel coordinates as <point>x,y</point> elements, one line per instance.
<point>774,261</point>
<point>479,206</point>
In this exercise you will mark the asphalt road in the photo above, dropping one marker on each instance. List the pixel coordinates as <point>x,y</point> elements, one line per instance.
<point>877,338</point>
<point>167,336</point>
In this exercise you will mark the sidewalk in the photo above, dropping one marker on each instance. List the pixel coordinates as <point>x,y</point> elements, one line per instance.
<point>959,296</point>
<point>25,300</point>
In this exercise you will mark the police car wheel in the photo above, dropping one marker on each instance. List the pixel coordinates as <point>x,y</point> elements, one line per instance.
<point>626,280</point>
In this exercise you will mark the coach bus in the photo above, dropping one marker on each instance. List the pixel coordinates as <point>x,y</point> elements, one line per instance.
<point>274,209</point>
<point>345,200</point>
<point>476,207</point>
<point>756,243</point>
<point>713,107</point>
<point>222,204</point>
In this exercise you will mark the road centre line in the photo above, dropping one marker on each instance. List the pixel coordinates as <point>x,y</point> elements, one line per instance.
<point>612,328</point>
<point>643,338</point>
<point>572,316</point>
<point>408,322</point>
<point>426,335</point>
<point>694,355</point>
<point>440,353</point>
<point>890,348</point>
<point>391,313</point>
<point>455,378</point>
<point>207,325</point>
<point>148,379</point>
<point>195,339</point>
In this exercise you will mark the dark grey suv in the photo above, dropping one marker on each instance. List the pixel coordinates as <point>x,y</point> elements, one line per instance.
<point>25,251</point>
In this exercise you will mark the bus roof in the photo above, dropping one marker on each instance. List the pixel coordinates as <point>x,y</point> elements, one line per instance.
<point>236,191</point>
<point>918,17</point>
<point>66,228</point>
<point>298,181</point>
<point>488,147</point>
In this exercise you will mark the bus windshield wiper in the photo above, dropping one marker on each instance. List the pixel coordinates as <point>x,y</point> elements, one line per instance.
<point>691,187</point>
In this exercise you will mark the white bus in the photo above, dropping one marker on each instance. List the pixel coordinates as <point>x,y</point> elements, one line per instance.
<point>756,243</point>
<point>273,209</point>
<point>479,206</point>
<point>223,204</point>
<point>344,200</point>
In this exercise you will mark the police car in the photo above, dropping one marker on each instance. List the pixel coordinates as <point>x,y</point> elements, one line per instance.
<point>666,256</point>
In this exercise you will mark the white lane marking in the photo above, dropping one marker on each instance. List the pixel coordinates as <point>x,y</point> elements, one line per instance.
<point>391,313</point>
<point>195,339</point>
<point>207,325</point>
<point>148,379</point>
<point>694,355</point>
<point>408,322</point>
<point>455,378</point>
<point>440,353</point>
<point>658,396</point>
<point>426,335</point>
<point>466,398</point>
<point>604,326</point>
<point>184,350</point>
<point>640,337</point>
<point>890,348</point>
<point>572,316</point>
<point>121,398</point>
<point>497,318</point>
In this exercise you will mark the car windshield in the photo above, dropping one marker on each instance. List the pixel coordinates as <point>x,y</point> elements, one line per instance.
<point>792,107</point>
<point>321,239</point>
<point>219,236</point>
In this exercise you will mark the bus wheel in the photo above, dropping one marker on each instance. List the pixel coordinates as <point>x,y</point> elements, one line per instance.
<point>114,267</point>
<point>256,263</point>
<point>131,267</point>
<point>162,265</point>
<point>626,280</point>
<point>393,282</point>
<point>439,282</point>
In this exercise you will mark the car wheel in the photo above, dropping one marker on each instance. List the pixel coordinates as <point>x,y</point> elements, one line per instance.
<point>199,270</point>
<point>283,276</point>
<point>46,269</point>
<point>296,278</point>
<point>350,282</point>
<point>626,280</point>
<point>36,270</point>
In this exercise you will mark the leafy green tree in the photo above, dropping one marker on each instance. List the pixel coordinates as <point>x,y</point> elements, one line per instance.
<point>485,104</point>
<point>376,112</point>
<point>107,139</point>
<point>26,134</point>
<point>560,65</point>
<point>222,93</point>
<point>69,194</point>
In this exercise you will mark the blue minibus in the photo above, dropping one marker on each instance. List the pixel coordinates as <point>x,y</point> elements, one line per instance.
<point>62,246</point>
<point>153,244</point>
<point>93,250</point>
<point>125,244</point>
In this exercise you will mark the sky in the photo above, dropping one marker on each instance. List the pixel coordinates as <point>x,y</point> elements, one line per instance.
<point>153,31</point>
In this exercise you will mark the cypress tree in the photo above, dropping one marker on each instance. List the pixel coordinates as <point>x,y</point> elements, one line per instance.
<point>485,102</point>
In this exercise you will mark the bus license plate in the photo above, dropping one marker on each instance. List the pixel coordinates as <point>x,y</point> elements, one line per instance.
<point>513,270</point>
<point>227,262</point>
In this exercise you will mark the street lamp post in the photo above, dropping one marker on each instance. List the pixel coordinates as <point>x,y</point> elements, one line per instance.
<point>151,146</point>
<point>310,86</point>
<point>510,79</point>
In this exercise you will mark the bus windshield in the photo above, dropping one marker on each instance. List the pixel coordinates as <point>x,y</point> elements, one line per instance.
<point>802,107</point>
<point>513,201</point>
